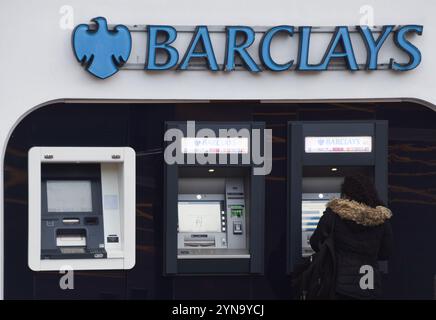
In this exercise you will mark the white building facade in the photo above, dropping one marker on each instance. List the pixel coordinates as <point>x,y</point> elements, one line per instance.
<point>39,67</point>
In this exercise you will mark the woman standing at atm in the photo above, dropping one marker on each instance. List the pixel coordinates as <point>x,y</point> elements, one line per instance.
<point>362,235</point>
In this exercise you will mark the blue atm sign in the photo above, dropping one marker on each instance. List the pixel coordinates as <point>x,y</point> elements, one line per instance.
<point>103,51</point>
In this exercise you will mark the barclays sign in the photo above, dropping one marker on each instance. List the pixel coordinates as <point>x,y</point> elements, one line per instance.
<point>104,51</point>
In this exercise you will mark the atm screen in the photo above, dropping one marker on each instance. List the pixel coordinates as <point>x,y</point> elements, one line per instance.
<point>69,196</point>
<point>199,216</point>
<point>312,212</point>
<point>313,207</point>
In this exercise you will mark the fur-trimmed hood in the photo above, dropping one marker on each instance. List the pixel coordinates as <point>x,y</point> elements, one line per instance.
<point>359,212</point>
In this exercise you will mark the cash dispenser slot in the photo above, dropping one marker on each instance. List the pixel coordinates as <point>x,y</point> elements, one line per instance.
<point>199,241</point>
<point>71,238</point>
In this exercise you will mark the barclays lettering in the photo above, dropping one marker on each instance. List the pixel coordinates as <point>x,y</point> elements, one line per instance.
<point>103,52</point>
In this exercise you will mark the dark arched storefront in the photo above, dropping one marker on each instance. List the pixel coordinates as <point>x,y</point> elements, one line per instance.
<point>412,185</point>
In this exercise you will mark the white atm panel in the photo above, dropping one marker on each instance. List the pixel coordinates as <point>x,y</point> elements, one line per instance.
<point>81,208</point>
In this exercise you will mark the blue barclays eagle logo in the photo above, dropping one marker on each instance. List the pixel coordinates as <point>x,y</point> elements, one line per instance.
<point>100,50</point>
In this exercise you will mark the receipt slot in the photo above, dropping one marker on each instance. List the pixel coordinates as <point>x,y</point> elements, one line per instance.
<point>81,208</point>
<point>214,213</point>
<point>320,155</point>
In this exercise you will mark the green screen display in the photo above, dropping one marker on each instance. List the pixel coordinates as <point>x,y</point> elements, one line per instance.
<point>237,211</point>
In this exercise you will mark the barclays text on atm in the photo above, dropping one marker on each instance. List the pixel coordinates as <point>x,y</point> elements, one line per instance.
<point>104,51</point>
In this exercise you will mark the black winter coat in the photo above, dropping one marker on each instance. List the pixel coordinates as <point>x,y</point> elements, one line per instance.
<point>362,236</point>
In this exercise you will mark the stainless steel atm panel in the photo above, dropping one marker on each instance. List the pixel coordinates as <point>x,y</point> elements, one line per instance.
<point>212,226</point>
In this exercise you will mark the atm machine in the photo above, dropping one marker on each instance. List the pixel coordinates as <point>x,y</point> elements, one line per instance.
<point>214,213</point>
<point>81,208</point>
<point>320,155</point>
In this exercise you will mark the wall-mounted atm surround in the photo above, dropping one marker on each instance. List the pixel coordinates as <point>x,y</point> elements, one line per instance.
<point>81,208</point>
<point>214,214</point>
<point>320,155</point>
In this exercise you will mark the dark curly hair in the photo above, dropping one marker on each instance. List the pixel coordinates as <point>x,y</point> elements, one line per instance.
<point>360,188</point>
